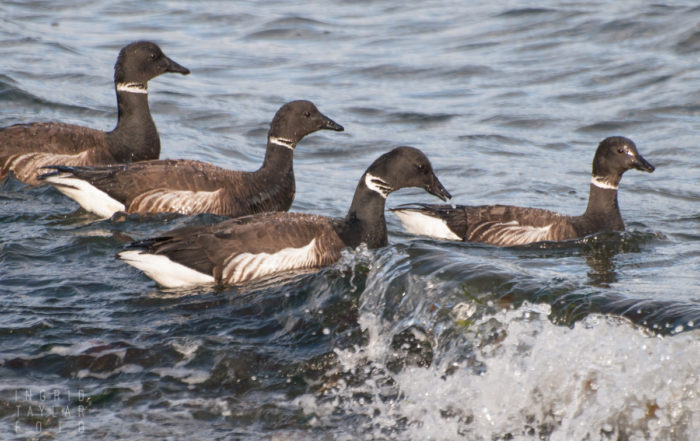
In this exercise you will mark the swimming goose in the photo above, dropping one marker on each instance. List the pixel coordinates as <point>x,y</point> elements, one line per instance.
<point>26,148</point>
<point>506,225</point>
<point>190,187</point>
<point>251,247</point>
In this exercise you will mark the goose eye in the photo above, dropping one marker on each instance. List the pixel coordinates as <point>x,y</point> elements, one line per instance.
<point>153,56</point>
<point>307,114</point>
<point>620,150</point>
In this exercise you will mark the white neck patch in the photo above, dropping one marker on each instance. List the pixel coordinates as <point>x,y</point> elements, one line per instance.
<point>132,88</point>
<point>602,183</point>
<point>377,184</point>
<point>282,142</point>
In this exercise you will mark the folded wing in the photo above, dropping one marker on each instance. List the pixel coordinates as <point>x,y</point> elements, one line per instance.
<point>245,248</point>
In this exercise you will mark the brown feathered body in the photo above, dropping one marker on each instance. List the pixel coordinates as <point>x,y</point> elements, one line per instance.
<point>25,149</point>
<point>506,225</point>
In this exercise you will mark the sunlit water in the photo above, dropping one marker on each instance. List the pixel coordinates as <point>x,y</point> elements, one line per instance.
<point>593,339</point>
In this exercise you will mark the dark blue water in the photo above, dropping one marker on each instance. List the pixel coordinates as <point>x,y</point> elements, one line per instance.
<point>595,339</point>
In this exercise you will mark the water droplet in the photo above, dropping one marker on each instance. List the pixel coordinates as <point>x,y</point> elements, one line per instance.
<point>464,310</point>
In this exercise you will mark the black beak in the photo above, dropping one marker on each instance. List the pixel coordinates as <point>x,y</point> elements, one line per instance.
<point>642,164</point>
<point>437,189</point>
<point>329,124</point>
<point>176,68</point>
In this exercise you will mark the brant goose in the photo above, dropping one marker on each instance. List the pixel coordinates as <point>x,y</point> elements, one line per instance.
<point>505,225</point>
<point>250,247</point>
<point>25,148</point>
<point>191,187</point>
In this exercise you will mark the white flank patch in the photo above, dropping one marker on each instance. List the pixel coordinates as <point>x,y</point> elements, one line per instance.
<point>132,88</point>
<point>27,167</point>
<point>164,271</point>
<point>601,183</point>
<point>377,184</point>
<point>163,200</point>
<point>87,195</point>
<point>247,266</point>
<point>416,222</point>
<point>282,142</point>
<point>512,233</point>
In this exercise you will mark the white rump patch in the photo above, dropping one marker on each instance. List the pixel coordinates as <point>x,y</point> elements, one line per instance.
<point>512,233</point>
<point>282,142</point>
<point>417,222</point>
<point>377,184</point>
<point>87,195</point>
<point>164,271</point>
<point>248,266</point>
<point>163,200</point>
<point>132,88</point>
<point>602,183</point>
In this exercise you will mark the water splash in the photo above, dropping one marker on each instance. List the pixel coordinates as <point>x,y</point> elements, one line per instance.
<point>602,379</point>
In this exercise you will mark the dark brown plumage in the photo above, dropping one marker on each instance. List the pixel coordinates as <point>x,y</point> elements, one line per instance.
<point>190,187</point>
<point>26,148</point>
<point>251,247</point>
<point>225,250</point>
<point>505,225</point>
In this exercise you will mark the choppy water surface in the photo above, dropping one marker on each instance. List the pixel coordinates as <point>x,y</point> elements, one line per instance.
<point>590,340</point>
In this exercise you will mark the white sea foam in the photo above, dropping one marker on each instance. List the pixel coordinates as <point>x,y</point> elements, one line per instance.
<point>601,379</point>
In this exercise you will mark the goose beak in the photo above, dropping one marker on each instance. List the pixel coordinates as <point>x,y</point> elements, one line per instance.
<point>642,164</point>
<point>329,124</point>
<point>437,189</point>
<point>175,67</point>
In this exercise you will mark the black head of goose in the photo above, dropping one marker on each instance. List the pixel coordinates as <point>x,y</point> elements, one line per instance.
<point>191,187</point>
<point>505,225</point>
<point>251,247</point>
<point>25,148</point>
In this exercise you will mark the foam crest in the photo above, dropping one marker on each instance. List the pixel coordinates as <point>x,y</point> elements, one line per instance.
<point>602,379</point>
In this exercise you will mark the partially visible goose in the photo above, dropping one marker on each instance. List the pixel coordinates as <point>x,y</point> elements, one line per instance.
<point>26,148</point>
<point>505,225</point>
<point>252,247</point>
<point>191,187</point>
